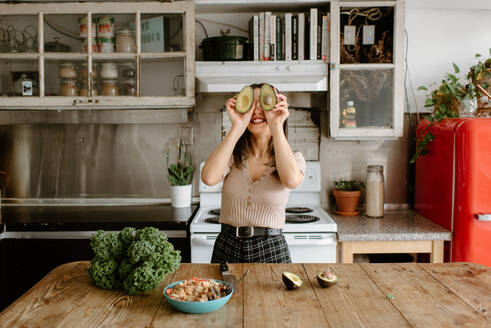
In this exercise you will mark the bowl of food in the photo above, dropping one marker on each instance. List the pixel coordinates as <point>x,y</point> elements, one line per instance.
<point>198,295</point>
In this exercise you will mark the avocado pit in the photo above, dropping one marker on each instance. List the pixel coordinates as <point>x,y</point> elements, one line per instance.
<point>326,278</point>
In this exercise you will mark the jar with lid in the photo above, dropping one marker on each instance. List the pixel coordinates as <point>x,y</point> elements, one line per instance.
<point>68,71</point>
<point>83,71</point>
<point>68,88</point>
<point>125,42</point>
<point>375,191</point>
<point>84,90</point>
<point>128,87</point>
<point>128,70</point>
<point>348,117</point>
<point>109,71</point>
<point>109,88</point>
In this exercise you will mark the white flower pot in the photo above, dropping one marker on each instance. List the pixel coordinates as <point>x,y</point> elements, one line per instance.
<point>181,195</point>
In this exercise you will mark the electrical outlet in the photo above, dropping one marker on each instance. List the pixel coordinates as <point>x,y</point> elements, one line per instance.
<point>187,135</point>
<point>368,34</point>
<point>349,35</point>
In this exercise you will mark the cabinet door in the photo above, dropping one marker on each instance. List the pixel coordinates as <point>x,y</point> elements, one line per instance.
<point>135,55</point>
<point>366,74</point>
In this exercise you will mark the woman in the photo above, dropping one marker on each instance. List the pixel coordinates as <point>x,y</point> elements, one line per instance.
<point>259,170</point>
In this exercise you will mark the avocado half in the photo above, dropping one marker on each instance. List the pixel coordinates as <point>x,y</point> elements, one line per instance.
<point>291,280</point>
<point>326,278</point>
<point>245,99</point>
<point>267,97</point>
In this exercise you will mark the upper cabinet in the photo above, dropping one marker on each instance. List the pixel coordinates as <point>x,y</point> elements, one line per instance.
<point>97,55</point>
<point>367,69</point>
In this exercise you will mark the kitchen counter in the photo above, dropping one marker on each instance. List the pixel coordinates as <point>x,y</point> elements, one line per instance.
<point>395,225</point>
<point>366,295</point>
<point>399,231</point>
<point>95,217</point>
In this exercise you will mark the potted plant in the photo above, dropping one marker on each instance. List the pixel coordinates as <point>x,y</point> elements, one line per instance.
<point>180,176</point>
<point>451,98</point>
<point>347,194</point>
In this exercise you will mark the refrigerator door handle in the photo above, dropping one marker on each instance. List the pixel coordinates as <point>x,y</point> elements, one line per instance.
<point>482,217</point>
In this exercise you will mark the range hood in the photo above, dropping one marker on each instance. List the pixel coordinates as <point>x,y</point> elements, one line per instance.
<point>287,76</point>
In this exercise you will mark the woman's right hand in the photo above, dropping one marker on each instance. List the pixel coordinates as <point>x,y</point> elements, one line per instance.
<point>239,121</point>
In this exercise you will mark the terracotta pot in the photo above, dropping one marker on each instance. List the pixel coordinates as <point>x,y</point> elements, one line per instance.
<point>347,201</point>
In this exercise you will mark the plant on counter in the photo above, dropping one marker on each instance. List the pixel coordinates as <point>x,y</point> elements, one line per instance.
<point>135,260</point>
<point>448,98</point>
<point>180,173</point>
<point>347,194</point>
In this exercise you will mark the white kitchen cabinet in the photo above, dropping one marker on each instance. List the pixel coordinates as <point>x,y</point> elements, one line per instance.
<point>156,70</point>
<point>375,89</point>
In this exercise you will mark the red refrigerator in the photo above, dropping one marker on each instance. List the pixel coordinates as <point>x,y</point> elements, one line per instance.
<point>453,186</point>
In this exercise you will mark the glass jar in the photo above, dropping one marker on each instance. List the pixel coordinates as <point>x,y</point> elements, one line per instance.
<point>128,71</point>
<point>68,71</point>
<point>375,191</point>
<point>68,88</point>
<point>109,71</point>
<point>84,90</point>
<point>128,88</point>
<point>109,88</point>
<point>83,71</point>
<point>125,42</point>
<point>348,117</point>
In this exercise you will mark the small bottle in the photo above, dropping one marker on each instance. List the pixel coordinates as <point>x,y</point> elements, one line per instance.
<point>375,191</point>
<point>348,117</point>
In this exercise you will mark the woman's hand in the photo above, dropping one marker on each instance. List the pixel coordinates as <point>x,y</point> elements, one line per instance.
<point>239,121</point>
<point>278,115</point>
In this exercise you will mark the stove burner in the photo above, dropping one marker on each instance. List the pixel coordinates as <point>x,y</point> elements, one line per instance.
<point>301,218</point>
<point>298,210</point>
<point>211,220</point>
<point>215,211</point>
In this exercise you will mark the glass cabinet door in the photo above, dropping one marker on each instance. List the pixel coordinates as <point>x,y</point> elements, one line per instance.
<point>366,75</point>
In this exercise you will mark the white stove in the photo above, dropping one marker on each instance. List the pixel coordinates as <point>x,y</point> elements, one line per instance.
<point>309,242</point>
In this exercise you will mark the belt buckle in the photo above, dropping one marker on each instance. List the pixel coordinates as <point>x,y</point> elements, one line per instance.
<point>251,229</point>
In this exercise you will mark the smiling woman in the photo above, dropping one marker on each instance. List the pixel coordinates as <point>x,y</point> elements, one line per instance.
<point>259,170</point>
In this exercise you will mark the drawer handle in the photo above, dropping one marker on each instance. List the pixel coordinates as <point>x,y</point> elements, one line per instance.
<point>482,217</point>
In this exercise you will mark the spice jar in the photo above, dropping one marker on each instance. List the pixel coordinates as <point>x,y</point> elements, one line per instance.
<point>83,71</point>
<point>109,88</point>
<point>348,117</point>
<point>105,27</point>
<point>129,88</point>
<point>125,41</point>
<point>67,71</point>
<point>375,191</point>
<point>84,90</point>
<point>109,71</point>
<point>68,88</point>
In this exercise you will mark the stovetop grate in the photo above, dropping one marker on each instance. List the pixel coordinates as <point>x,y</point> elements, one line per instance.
<point>298,210</point>
<point>215,211</point>
<point>301,218</point>
<point>211,220</point>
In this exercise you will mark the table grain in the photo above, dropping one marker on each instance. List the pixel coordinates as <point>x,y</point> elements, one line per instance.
<point>366,295</point>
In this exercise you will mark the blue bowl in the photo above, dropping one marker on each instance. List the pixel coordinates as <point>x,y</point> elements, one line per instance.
<point>198,307</point>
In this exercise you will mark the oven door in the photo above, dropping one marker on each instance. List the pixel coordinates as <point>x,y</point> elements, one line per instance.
<point>312,248</point>
<point>202,247</point>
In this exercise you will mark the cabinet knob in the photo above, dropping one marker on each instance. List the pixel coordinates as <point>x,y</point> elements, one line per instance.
<point>288,68</point>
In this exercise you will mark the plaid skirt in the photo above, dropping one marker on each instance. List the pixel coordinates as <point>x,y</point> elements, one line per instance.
<point>258,249</point>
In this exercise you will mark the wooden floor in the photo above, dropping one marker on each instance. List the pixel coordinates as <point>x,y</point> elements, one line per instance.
<point>366,295</point>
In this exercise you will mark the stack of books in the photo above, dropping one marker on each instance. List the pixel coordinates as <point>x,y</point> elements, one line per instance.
<point>290,36</point>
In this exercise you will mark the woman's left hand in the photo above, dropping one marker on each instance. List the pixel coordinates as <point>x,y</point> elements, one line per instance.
<point>279,113</point>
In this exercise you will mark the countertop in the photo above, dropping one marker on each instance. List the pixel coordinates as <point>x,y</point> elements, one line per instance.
<point>95,217</point>
<point>395,225</point>
<point>366,295</point>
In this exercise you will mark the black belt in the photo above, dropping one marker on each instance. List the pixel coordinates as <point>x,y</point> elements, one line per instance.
<point>244,232</point>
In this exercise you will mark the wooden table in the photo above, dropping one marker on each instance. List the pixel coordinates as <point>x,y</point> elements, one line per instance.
<point>367,295</point>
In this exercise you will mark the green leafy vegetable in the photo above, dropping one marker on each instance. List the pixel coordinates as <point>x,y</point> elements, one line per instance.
<point>136,260</point>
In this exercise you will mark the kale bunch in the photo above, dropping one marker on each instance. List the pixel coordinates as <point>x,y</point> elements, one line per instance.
<point>136,260</point>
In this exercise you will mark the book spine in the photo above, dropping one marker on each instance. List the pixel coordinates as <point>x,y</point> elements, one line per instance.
<point>279,41</point>
<point>324,38</point>
<point>256,37</point>
<point>288,36</point>
<point>313,34</point>
<point>273,38</point>
<point>267,35</point>
<point>261,36</point>
<point>301,36</point>
<point>294,37</point>
<point>319,36</point>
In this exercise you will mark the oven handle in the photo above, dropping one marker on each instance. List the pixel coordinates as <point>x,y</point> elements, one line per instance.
<point>331,240</point>
<point>203,240</point>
